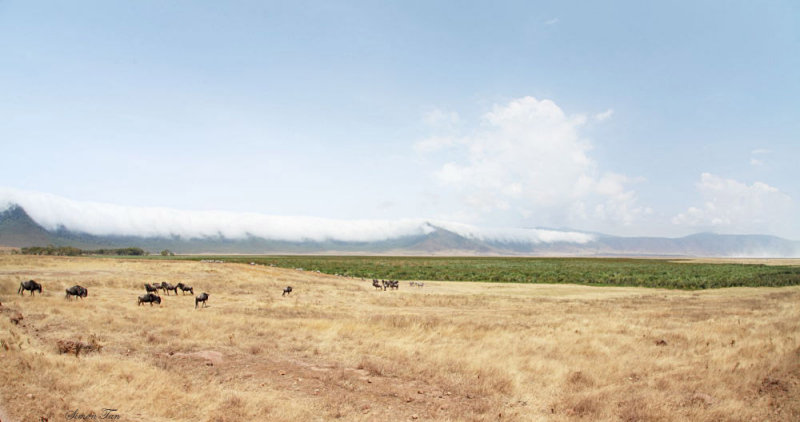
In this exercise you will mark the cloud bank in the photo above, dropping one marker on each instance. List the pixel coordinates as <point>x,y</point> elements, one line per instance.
<point>527,159</point>
<point>53,212</point>
<point>729,204</point>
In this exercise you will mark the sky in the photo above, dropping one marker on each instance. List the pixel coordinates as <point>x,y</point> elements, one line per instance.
<point>625,118</point>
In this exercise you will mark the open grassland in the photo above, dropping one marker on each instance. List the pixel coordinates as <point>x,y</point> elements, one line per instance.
<point>680,274</point>
<point>336,348</point>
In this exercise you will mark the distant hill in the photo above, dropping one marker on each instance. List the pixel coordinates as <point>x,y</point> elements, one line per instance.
<point>18,229</point>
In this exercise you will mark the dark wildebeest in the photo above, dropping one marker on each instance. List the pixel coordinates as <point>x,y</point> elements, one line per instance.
<point>184,288</point>
<point>77,291</point>
<point>376,284</point>
<point>167,287</point>
<point>150,298</point>
<point>151,288</point>
<point>202,297</point>
<point>29,285</point>
<point>287,290</point>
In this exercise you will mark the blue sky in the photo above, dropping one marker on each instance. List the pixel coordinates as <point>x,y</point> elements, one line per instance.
<point>626,118</point>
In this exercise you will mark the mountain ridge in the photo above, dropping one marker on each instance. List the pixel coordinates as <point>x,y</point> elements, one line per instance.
<point>18,229</point>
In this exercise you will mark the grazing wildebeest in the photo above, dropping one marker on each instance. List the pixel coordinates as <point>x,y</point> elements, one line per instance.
<point>376,284</point>
<point>29,285</point>
<point>287,290</point>
<point>184,288</point>
<point>151,288</point>
<point>167,287</point>
<point>150,298</point>
<point>202,297</point>
<point>77,291</point>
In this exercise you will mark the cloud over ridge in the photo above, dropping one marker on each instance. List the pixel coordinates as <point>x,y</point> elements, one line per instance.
<point>53,212</point>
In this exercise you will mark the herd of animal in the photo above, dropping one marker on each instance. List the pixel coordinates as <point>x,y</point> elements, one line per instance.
<point>384,284</point>
<point>394,284</point>
<point>150,297</point>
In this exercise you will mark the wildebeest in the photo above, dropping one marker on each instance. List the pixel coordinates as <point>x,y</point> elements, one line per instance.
<point>29,285</point>
<point>287,290</point>
<point>151,288</point>
<point>77,291</point>
<point>167,287</point>
<point>202,297</point>
<point>184,288</point>
<point>392,284</point>
<point>150,298</point>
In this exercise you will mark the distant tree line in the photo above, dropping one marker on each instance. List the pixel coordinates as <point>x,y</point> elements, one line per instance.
<point>73,251</point>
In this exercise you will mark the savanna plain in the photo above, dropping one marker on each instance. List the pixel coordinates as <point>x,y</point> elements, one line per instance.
<point>338,348</point>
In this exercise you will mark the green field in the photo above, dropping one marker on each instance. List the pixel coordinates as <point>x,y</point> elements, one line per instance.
<point>588,271</point>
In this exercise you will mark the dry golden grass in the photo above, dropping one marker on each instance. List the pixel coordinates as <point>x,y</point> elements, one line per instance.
<point>337,348</point>
<point>8,250</point>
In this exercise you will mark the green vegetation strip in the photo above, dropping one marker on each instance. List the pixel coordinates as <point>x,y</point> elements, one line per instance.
<point>589,271</point>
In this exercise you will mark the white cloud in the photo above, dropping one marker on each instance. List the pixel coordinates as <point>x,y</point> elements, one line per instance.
<point>439,117</point>
<point>434,143</point>
<point>601,117</point>
<point>733,206</point>
<point>552,21</point>
<point>756,159</point>
<point>527,157</point>
<point>442,122</point>
<point>516,235</point>
<point>52,212</point>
